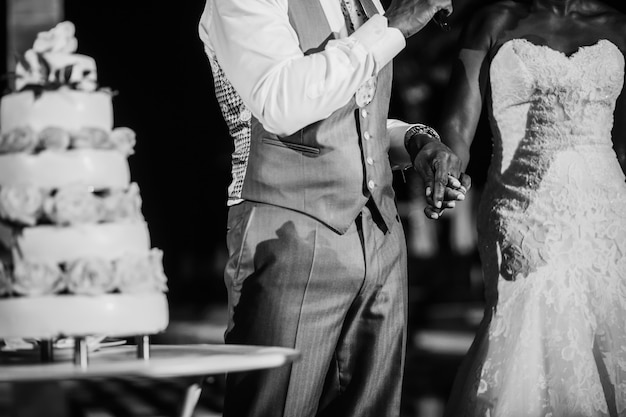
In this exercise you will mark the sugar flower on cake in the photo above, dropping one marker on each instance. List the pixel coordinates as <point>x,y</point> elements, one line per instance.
<point>124,140</point>
<point>122,204</point>
<point>54,139</point>
<point>37,278</point>
<point>60,39</point>
<point>73,204</point>
<point>21,139</point>
<point>138,273</point>
<point>90,276</point>
<point>52,62</point>
<point>21,204</point>
<point>92,138</point>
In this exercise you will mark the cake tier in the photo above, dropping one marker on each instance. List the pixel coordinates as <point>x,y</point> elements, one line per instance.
<point>96,168</point>
<point>49,317</point>
<point>61,244</point>
<point>64,108</point>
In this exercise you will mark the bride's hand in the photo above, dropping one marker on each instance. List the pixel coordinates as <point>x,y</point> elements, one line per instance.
<point>454,191</point>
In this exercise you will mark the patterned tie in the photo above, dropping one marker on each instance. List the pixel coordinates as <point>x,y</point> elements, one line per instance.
<point>356,12</point>
<point>347,15</point>
<point>368,7</point>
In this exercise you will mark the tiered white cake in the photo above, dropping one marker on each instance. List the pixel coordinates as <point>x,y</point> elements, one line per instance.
<point>75,252</point>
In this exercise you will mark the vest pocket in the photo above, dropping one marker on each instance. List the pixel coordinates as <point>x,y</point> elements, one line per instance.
<point>304,149</point>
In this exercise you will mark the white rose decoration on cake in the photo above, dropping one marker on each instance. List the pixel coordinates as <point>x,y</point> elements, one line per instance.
<point>124,140</point>
<point>123,204</point>
<point>37,278</point>
<point>73,204</point>
<point>54,138</point>
<point>22,139</point>
<point>140,274</point>
<point>21,204</point>
<point>90,276</point>
<point>52,61</point>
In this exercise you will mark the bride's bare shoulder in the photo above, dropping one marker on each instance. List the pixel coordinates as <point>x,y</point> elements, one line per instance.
<point>487,24</point>
<point>612,20</point>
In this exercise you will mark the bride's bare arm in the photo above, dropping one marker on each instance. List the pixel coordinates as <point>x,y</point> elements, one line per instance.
<point>468,84</point>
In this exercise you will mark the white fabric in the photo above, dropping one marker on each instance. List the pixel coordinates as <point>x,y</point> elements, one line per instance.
<point>552,234</point>
<point>258,51</point>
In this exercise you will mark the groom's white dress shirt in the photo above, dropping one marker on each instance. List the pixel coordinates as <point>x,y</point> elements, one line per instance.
<point>259,52</point>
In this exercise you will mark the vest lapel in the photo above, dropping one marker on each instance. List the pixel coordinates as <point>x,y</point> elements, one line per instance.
<point>309,21</point>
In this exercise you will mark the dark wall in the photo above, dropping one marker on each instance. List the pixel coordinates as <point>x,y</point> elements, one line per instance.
<point>149,52</point>
<point>3,46</point>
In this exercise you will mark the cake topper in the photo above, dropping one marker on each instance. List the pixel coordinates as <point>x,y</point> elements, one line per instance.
<point>52,62</point>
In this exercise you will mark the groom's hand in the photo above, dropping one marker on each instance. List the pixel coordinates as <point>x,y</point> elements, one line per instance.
<point>444,182</point>
<point>410,16</point>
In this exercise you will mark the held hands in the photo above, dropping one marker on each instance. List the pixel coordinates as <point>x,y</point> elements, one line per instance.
<point>410,16</point>
<point>444,182</point>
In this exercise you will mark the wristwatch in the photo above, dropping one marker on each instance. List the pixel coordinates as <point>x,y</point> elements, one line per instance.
<point>419,129</point>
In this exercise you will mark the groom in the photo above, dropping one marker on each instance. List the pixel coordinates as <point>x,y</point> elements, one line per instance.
<point>317,252</point>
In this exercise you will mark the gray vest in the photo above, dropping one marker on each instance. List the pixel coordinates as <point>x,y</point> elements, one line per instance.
<point>331,168</point>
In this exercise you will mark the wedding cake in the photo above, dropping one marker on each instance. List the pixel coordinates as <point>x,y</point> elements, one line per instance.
<point>75,251</point>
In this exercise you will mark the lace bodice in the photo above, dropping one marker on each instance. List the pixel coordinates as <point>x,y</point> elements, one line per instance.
<point>552,116</point>
<point>544,101</point>
<point>552,240</point>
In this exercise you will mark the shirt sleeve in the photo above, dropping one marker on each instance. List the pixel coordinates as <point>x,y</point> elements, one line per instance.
<point>285,90</point>
<point>398,155</point>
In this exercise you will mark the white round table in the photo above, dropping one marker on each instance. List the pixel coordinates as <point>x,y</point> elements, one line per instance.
<point>164,361</point>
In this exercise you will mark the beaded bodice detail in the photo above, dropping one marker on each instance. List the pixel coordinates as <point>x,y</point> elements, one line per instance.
<point>552,237</point>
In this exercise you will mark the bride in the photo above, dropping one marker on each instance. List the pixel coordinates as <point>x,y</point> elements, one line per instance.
<point>552,221</point>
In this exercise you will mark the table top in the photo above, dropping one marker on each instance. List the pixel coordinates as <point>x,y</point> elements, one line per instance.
<point>165,361</point>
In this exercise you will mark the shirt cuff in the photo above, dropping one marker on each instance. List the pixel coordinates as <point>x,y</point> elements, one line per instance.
<point>383,42</point>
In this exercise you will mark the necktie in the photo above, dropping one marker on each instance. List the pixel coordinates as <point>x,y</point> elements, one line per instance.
<point>368,6</point>
<point>356,12</point>
<point>350,16</point>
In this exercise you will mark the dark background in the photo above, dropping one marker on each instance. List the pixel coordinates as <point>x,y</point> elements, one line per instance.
<point>150,53</point>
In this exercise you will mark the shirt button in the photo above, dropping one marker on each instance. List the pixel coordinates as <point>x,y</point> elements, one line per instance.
<point>369,160</point>
<point>367,136</point>
<point>363,112</point>
<point>371,184</point>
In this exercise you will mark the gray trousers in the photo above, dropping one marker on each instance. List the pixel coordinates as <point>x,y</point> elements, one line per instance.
<point>341,300</point>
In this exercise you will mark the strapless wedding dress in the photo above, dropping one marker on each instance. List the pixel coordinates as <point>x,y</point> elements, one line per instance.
<point>552,237</point>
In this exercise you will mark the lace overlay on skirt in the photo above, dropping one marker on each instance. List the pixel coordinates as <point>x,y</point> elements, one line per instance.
<point>552,236</point>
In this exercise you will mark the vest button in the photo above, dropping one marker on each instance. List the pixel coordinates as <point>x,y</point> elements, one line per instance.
<point>371,184</point>
<point>367,136</point>
<point>363,113</point>
<point>369,161</point>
